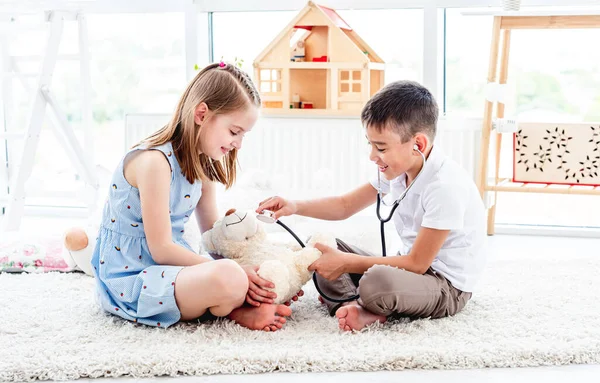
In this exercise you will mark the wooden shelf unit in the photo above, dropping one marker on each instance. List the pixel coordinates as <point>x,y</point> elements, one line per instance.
<point>504,23</point>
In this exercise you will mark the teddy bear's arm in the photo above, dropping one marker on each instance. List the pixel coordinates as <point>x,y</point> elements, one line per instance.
<point>207,241</point>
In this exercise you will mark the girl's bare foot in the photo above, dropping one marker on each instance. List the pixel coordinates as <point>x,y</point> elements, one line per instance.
<point>354,317</point>
<point>265,317</point>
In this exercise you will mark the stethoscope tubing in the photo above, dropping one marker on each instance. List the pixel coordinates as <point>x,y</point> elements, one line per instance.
<point>382,221</point>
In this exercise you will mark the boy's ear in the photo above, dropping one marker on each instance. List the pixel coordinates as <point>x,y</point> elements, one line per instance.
<point>421,142</point>
<point>200,113</point>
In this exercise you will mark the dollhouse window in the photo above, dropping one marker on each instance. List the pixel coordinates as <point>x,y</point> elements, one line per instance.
<point>270,80</point>
<point>350,81</point>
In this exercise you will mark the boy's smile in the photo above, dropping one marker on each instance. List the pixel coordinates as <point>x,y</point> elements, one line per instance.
<point>391,155</point>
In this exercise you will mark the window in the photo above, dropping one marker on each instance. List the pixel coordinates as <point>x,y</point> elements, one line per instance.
<point>396,35</point>
<point>137,65</point>
<point>552,76</point>
<point>466,63</point>
<point>350,81</point>
<point>270,80</point>
<point>244,35</point>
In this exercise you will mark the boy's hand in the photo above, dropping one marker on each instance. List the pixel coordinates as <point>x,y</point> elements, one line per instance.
<point>256,289</point>
<point>279,206</point>
<point>331,264</point>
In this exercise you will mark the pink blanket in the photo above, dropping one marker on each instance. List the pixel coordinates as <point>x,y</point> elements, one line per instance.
<point>20,253</point>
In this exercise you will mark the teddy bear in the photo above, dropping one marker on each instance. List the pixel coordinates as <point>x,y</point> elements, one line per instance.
<point>239,236</point>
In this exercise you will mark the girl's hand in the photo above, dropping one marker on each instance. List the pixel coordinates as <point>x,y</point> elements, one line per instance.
<point>256,289</point>
<point>295,297</point>
<point>279,206</point>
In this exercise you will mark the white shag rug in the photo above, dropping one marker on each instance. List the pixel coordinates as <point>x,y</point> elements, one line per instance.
<point>535,307</point>
<point>531,311</point>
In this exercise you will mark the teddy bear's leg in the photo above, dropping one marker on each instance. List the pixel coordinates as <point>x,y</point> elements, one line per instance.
<point>322,238</point>
<point>294,246</point>
<point>277,272</point>
<point>76,239</point>
<point>79,249</point>
<point>303,259</point>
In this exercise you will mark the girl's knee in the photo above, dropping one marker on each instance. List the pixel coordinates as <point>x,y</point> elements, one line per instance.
<point>230,279</point>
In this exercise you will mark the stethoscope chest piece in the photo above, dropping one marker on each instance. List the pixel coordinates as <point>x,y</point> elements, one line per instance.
<point>266,216</point>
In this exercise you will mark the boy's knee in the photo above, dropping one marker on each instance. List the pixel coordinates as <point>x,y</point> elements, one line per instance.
<point>379,279</point>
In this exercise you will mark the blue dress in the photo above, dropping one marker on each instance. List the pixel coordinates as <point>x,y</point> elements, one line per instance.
<point>129,283</point>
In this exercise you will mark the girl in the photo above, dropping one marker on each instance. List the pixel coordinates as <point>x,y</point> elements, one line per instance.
<point>145,271</point>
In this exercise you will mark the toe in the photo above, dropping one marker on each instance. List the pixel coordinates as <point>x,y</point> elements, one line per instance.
<point>301,293</point>
<point>295,298</point>
<point>283,310</point>
<point>274,327</point>
<point>281,320</point>
<point>342,312</point>
<point>267,328</point>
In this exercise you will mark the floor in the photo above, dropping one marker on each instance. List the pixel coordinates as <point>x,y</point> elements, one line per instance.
<point>579,374</point>
<point>498,243</point>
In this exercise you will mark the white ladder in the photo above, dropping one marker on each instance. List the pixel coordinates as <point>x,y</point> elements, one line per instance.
<point>42,97</point>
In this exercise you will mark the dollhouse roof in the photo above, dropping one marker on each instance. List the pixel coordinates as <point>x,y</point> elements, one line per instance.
<point>330,18</point>
<point>334,17</point>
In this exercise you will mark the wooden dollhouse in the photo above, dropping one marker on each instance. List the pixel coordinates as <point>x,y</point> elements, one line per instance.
<point>317,65</point>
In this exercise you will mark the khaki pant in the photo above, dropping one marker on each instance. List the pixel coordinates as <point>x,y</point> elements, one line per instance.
<point>389,291</point>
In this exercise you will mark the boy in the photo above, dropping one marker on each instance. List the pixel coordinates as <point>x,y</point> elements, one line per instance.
<point>441,222</point>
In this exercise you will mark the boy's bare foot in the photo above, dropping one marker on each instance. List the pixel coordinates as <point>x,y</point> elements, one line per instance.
<point>354,317</point>
<point>265,317</point>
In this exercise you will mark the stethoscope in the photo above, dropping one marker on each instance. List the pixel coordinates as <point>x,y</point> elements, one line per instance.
<point>267,217</point>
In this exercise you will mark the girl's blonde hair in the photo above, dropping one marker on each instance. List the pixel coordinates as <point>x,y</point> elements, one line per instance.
<point>224,88</point>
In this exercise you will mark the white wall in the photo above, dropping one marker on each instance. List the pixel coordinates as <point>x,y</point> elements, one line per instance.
<point>320,155</point>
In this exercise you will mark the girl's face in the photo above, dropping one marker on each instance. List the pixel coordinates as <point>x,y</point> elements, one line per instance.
<point>221,133</point>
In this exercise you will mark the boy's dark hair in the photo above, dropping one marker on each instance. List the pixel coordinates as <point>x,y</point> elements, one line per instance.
<point>406,107</point>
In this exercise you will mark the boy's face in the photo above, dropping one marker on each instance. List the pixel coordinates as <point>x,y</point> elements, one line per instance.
<point>389,153</point>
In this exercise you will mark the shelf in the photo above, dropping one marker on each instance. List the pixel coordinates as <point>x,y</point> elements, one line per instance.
<point>506,185</point>
<point>546,20</point>
<point>272,112</point>
<point>571,12</point>
<point>320,65</point>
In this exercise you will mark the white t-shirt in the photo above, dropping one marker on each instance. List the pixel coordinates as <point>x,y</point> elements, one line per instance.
<point>444,197</point>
